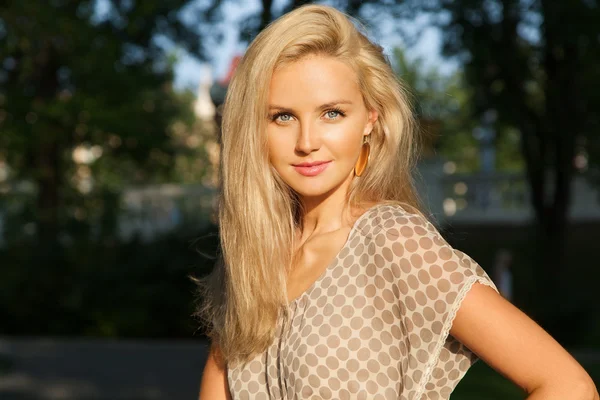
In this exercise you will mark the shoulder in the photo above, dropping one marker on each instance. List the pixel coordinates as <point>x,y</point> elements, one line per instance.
<point>396,221</point>
<point>415,248</point>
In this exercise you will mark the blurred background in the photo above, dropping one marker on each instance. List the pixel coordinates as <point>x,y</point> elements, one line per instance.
<point>109,142</point>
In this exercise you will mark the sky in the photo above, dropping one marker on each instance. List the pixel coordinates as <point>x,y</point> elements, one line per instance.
<point>189,71</point>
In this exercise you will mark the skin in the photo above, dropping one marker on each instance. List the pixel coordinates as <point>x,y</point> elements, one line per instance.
<point>515,346</point>
<point>214,378</point>
<point>302,130</point>
<point>317,113</point>
<point>304,126</point>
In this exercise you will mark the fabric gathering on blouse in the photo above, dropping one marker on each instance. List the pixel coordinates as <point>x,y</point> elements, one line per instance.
<point>375,324</point>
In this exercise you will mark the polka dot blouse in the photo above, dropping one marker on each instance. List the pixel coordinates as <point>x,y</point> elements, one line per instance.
<point>375,324</point>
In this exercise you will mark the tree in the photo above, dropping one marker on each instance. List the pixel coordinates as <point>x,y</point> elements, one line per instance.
<point>443,106</point>
<point>212,13</point>
<point>86,93</point>
<point>536,65</point>
<point>75,75</point>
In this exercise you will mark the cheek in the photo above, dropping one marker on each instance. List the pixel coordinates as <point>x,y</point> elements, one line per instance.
<point>277,146</point>
<point>345,143</point>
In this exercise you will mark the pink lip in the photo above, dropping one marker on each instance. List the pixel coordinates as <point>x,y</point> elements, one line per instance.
<point>311,169</point>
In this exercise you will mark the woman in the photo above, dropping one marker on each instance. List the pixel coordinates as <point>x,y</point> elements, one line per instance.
<point>331,283</point>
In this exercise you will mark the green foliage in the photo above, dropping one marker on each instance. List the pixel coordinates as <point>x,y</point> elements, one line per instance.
<point>447,102</point>
<point>133,289</point>
<point>481,380</point>
<point>87,109</point>
<point>540,78</point>
<point>368,13</point>
<point>534,64</point>
<point>73,78</point>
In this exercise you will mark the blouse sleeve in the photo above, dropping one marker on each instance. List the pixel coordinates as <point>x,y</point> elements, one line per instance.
<point>434,278</point>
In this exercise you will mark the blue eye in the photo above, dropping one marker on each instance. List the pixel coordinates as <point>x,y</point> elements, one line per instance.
<point>281,117</point>
<point>334,113</point>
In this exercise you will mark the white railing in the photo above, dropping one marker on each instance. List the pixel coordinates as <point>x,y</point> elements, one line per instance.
<point>505,197</point>
<point>456,198</point>
<point>145,212</point>
<point>164,208</point>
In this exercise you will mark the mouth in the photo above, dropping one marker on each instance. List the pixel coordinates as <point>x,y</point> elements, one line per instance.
<point>311,168</point>
<point>310,164</point>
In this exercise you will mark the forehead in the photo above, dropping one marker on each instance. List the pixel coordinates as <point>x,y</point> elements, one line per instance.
<point>313,79</point>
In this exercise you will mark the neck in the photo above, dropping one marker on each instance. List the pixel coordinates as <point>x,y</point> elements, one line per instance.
<point>325,213</point>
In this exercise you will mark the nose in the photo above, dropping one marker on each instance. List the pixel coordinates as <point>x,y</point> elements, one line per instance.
<point>308,138</point>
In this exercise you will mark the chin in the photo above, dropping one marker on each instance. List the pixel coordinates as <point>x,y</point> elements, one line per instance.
<point>308,193</point>
<point>314,188</point>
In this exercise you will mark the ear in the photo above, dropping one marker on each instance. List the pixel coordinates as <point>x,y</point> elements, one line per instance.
<point>373,115</point>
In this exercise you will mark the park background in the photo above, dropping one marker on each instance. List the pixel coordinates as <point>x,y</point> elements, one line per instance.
<point>109,115</point>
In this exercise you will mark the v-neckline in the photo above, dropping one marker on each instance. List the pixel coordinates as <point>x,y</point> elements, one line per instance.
<point>336,258</point>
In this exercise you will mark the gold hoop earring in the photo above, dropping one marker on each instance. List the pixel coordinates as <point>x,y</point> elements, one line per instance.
<point>363,158</point>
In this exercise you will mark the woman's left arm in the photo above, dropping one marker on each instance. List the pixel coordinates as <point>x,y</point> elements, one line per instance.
<point>514,345</point>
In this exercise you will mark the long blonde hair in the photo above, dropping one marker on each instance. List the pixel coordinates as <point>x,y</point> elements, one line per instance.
<point>246,293</point>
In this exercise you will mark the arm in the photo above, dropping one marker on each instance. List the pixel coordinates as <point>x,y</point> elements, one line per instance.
<point>214,380</point>
<point>515,346</point>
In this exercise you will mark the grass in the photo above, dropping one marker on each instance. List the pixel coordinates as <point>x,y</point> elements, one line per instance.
<point>482,382</point>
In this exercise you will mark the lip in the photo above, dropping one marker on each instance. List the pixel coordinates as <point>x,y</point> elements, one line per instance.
<point>310,164</point>
<point>311,168</point>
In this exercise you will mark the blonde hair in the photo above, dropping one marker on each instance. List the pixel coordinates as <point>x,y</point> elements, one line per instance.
<point>258,213</point>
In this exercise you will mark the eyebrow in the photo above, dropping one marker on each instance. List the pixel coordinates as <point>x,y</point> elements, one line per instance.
<point>321,107</point>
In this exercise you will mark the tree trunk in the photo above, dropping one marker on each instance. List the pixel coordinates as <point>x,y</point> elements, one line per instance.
<point>563,116</point>
<point>548,146</point>
<point>47,151</point>
<point>354,7</point>
<point>49,183</point>
<point>298,3</point>
<point>266,16</point>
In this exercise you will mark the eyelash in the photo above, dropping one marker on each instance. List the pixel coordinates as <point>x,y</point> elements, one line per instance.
<point>273,117</point>
<point>335,109</point>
